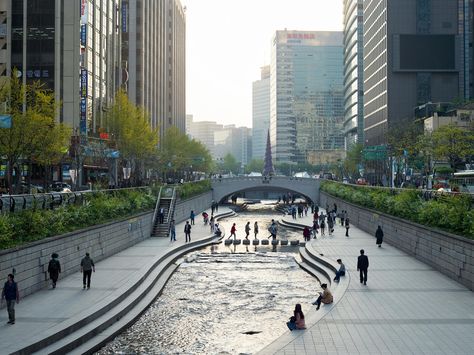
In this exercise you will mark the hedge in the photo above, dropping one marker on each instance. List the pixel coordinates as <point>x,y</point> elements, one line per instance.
<point>190,189</point>
<point>30,225</point>
<point>449,212</point>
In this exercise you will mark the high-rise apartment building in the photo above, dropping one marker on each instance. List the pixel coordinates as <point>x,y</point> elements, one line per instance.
<point>260,113</point>
<point>415,51</point>
<point>153,56</point>
<point>353,72</point>
<point>306,102</point>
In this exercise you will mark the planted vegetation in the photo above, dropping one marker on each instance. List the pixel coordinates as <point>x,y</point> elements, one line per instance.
<point>190,189</point>
<point>31,225</point>
<point>449,212</point>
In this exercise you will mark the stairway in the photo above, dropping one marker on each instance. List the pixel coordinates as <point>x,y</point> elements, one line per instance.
<point>167,201</point>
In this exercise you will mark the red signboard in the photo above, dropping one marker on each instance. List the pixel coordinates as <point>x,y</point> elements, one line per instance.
<point>104,135</point>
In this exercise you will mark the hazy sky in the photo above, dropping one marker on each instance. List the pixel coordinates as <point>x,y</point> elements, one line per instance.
<point>227,41</point>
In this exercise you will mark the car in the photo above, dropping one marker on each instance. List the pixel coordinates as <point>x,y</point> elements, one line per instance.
<point>59,186</point>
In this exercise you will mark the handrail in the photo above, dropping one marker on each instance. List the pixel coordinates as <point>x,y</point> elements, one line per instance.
<point>171,210</point>
<point>157,206</point>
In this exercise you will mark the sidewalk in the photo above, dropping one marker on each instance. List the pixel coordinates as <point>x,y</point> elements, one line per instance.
<point>406,308</point>
<point>38,313</point>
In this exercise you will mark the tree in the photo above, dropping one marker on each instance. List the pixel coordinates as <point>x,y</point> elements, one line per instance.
<point>131,130</point>
<point>33,129</point>
<point>255,165</point>
<point>354,157</point>
<point>230,164</point>
<point>454,144</point>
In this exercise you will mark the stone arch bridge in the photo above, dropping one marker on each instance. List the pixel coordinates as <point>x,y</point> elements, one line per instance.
<point>224,187</point>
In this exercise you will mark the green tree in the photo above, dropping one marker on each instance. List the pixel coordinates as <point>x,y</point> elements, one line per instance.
<point>33,129</point>
<point>354,158</point>
<point>130,126</point>
<point>230,164</point>
<point>454,144</point>
<point>255,165</point>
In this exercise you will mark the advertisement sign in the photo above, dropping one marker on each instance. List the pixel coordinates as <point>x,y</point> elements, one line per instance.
<point>83,120</point>
<point>84,11</point>
<point>124,17</point>
<point>83,35</point>
<point>83,82</point>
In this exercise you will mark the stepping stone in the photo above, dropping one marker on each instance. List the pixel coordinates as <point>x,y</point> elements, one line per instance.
<point>255,242</point>
<point>265,242</point>
<point>246,242</point>
<point>274,242</point>
<point>283,242</point>
<point>302,244</point>
<point>237,242</point>
<point>294,242</point>
<point>228,242</point>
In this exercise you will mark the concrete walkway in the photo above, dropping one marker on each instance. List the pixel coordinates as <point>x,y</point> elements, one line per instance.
<point>48,310</point>
<point>406,308</point>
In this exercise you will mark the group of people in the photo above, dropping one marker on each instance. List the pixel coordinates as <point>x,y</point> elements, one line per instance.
<point>11,293</point>
<point>272,229</point>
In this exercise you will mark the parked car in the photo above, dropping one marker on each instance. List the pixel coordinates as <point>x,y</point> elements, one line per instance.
<point>59,186</point>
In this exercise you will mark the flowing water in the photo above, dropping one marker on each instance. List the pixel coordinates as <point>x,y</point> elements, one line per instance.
<point>224,299</point>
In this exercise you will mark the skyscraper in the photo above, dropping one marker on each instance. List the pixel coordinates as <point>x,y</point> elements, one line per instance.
<point>153,54</point>
<point>414,52</point>
<point>353,72</point>
<point>260,113</point>
<point>306,102</point>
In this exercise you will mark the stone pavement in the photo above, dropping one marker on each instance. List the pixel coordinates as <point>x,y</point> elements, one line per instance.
<point>406,308</point>
<point>39,312</point>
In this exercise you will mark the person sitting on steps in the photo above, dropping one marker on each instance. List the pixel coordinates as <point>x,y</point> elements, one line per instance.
<point>324,297</point>
<point>297,320</point>
<point>341,271</point>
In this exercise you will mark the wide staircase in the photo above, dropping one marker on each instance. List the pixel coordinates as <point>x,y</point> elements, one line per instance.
<point>166,201</point>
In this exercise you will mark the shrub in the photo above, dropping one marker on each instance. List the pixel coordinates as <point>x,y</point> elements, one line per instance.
<point>191,189</point>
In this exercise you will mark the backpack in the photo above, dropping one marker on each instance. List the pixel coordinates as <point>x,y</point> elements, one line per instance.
<point>53,265</point>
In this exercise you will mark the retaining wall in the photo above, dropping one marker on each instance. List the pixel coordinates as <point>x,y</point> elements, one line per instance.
<point>448,253</point>
<point>29,263</point>
<point>198,204</point>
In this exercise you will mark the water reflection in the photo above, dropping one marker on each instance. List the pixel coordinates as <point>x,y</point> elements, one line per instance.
<point>223,299</point>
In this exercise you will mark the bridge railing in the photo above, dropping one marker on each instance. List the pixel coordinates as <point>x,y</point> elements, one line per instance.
<point>261,178</point>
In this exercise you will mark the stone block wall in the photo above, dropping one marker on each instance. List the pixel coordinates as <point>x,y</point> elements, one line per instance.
<point>448,253</point>
<point>29,263</point>
<point>198,204</point>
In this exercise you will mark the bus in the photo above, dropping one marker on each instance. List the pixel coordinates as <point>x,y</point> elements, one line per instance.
<point>465,180</point>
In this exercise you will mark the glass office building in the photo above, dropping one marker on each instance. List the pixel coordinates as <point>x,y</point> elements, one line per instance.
<point>306,95</point>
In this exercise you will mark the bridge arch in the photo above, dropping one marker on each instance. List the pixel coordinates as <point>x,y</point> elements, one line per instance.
<point>224,187</point>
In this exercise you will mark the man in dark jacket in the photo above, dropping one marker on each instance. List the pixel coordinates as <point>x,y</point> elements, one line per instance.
<point>54,268</point>
<point>379,236</point>
<point>187,231</point>
<point>87,266</point>
<point>362,266</point>
<point>11,294</point>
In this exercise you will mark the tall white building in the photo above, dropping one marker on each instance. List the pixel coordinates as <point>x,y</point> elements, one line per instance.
<point>204,132</point>
<point>260,113</point>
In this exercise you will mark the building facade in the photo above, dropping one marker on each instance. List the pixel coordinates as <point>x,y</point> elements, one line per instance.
<point>353,72</point>
<point>153,59</point>
<point>414,52</point>
<point>204,132</point>
<point>306,94</point>
<point>260,113</point>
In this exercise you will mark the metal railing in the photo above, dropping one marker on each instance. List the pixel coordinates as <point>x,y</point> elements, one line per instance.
<point>51,200</point>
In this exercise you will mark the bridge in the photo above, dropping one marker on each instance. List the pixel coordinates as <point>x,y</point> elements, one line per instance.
<point>306,187</point>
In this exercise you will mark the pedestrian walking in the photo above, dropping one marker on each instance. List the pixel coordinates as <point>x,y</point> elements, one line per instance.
<point>315,228</point>
<point>172,231</point>
<point>247,230</point>
<point>322,227</point>
<point>346,223</point>
<point>255,229</point>
<point>11,294</point>
<point>379,236</point>
<point>330,225</point>
<point>341,271</point>
<point>161,215</point>
<point>191,216</point>
<point>54,269</point>
<point>212,207</point>
<point>233,229</point>
<point>211,223</point>
<point>343,217</point>
<point>273,229</point>
<point>362,266</point>
<point>187,232</point>
<point>87,267</point>
<point>324,297</point>
<point>216,206</point>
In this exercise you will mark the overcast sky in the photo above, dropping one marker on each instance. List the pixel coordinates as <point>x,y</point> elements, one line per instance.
<point>227,41</point>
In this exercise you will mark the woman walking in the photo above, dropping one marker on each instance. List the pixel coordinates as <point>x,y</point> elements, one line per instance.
<point>255,229</point>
